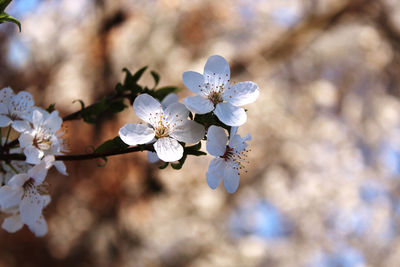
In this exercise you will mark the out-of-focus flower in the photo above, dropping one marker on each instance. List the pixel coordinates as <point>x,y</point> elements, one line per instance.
<point>15,110</point>
<point>215,93</point>
<point>43,137</point>
<point>229,157</point>
<point>14,223</point>
<point>23,194</point>
<point>167,126</point>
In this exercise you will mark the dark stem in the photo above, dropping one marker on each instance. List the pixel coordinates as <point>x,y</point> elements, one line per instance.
<point>148,147</point>
<point>94,155</point>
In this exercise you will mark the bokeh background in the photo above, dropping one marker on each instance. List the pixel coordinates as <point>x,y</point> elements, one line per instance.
<point>323,182</point>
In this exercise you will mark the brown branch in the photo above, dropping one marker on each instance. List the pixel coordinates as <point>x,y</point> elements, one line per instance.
<point>96,155</point>
<point>148,147</point>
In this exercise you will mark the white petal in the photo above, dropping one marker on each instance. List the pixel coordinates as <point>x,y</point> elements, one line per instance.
<point>233,131</point>
<point>4,121</point>
<point>5,96</point>
<point>215,172</point>
<point>169,99</point>
<point>61,168</point>
<point>53,122</point>
<point>21,105</point>
<point>218,65</point>
<point>136,134</point>
<point>176,114</point>
<point>12,224</point>
<point>10,197</point>
<point>230,115</point>
<point>216,141</point>
<point>231,179</point>
<point>46,200</point>
<point>190,132</point>
<point>39,227</point>
<point>39,172</point>
<point>198,104</point>
<point>242,93</point>
<point>18,180</point>
<point>194,81</point>
<point>31,206</point>
<point>238,142</point>
<point>168,149</point>
<point>146,107</point>
<point>25,140</point>
<point>152,157</point>
<point>33,155</point>
<point>21,126</point>
<point>38,117</point>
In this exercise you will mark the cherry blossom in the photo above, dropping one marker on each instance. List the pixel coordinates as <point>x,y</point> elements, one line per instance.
<point>15,110</point>
<point>14,223</point>
<point>166,126</point>
<point>229,158</point>
<point>43,137</point>
<point>216,93</point>
<point>22,197</point>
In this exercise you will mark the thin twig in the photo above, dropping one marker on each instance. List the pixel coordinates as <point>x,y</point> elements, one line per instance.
<point>94,155</point>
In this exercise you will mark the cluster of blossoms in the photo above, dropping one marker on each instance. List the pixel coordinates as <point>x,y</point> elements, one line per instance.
<point>214,115</point>
<point>169,127</point>
<point>23,193</point>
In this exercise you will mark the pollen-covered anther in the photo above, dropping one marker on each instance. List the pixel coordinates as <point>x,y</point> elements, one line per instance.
<point>30,183</point>
<point>215,97</point>
<point>161,131</point>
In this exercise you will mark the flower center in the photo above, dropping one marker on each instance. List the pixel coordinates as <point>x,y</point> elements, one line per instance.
<point>238,159</point>
<point>161,131</point>
<point>30,188</point>
<point>42,142</point>
<point>228,153</point>
<point>29,184</point>
<point>215,97</point>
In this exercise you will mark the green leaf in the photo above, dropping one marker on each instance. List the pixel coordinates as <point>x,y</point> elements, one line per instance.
<point>178,166</point>
<point>51,108</point>
<point>117,106</point>
<point>112,145</point>
<point>138,74</point>
<point>156,78</point>
<point>161,93</point>
<point>91,113</point>
<point>194,148</point>
<point>5,17</point>
<point>4,4</point>
<point>130,82</point>
<point>196,153</point>
<point>209,119</point>
<point>163,166</point>
<point>119,88</point>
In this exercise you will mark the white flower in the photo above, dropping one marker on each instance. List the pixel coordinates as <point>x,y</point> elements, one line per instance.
<point>229,157</point>
<point>22,194</point>
<point>14,223</point>
<point>168,100</point>
<point>15,110</point>
<point>166,126</point>
<point>43,137</point>
<point>215,93</point>
<point>13,167</point>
